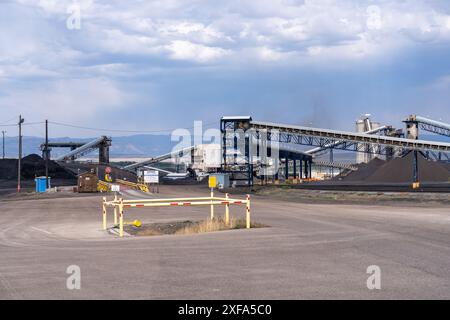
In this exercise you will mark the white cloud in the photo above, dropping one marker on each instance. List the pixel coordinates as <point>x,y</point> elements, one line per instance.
<point>267,54</point>
<point>140,39</point>
<point>77,99</point>
<point>185,50</point>
<point>196,30</point>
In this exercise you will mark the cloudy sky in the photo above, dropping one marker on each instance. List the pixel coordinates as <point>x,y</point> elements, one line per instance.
<point>156,65</point>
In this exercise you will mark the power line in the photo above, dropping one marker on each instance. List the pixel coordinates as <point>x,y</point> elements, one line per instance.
<point>120,130</point>
<point>32,123</point>
<point>99,129</point>
<point>7,122</point>
<point>8,125</point>
<point>23,124</point>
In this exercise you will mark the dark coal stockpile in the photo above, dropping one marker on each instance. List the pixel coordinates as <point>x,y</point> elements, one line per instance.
<point>8,169</point>
<point>399,170</point>
<point>33,166</point>
<point>364,171</point>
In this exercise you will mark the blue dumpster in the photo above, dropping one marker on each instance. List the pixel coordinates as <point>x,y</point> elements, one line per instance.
<point>41,185</point>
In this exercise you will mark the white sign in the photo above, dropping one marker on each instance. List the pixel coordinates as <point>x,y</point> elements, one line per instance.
<point>151,176</point>
<point>115,188</point>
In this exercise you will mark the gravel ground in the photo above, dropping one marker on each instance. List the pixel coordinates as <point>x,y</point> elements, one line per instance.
<point>310,251</point>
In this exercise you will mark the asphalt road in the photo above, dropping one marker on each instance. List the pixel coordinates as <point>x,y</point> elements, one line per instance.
<point>311,251</point>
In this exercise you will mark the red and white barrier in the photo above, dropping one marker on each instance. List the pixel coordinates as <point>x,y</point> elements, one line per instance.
<point>120,204</point>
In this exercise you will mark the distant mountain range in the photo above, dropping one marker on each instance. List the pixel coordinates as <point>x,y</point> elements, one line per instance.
<point>136,145</point>
<point>143,145</point>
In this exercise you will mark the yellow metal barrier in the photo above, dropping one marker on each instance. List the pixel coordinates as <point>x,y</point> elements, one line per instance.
<point>137,186</point>
<point>103,186</point>
<point>120,204</point>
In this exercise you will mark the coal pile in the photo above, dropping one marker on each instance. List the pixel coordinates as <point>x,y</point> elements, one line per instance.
<point>33,166</point>
<point>365,170</point>
<point>399,170</point>
<point>8,169</point>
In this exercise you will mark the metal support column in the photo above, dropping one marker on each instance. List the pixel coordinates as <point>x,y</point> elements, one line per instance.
<point>286,168</point>
<point>295,169</point>
<point>224,147</point>
<point>235,148</point>
<point>301,169</point>
<point>415,167</point>
<point>248,158</point>
<point>331,161</point>
<point>310,169</point>
<point>46,155</point>
<point>306,169</point>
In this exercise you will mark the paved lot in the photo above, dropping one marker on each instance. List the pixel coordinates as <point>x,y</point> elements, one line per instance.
<point>310,251</point>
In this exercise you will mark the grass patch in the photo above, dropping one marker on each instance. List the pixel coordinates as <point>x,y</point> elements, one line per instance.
<point>189,227</point>
<point>216,225</point>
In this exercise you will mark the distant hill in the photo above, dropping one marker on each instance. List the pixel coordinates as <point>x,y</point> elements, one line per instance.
<point>136,145</point>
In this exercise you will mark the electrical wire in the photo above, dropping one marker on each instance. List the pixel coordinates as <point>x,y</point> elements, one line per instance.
<point>119,130</point>
<point>23,124</point>
<point>8,125</point>
<point>7,122</point>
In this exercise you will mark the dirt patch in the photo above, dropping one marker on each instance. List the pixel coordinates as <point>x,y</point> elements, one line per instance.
<point>187,227</point>
<point>353,197</point>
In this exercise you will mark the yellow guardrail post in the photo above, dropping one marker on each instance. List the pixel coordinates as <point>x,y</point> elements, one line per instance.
<point>119,205</point>
<point>247,218</point>
<point>115,210</point>
<point>227,211</point>
<point>212,206</point>
<point>104,213</point>
<point>121,217</point>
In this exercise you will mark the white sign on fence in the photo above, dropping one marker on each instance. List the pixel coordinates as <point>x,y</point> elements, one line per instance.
<point>115,188</point>
<point>151,176</point>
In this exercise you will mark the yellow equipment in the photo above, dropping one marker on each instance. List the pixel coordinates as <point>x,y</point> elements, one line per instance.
<point>136,223</point>
<point>212,181</point>
<point>103,186</point>
<point>137,186</point>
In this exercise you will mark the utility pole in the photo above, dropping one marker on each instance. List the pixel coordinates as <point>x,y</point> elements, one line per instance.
<point>20,152</point>
<point>47,154</point>
<point>3,133</point>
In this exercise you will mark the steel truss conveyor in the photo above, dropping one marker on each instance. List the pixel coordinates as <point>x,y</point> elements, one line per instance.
<point>417,122</point>
<point>243,127</point>
<point>102,144</point>
<point>177,153</point>
<point>358,142</point>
